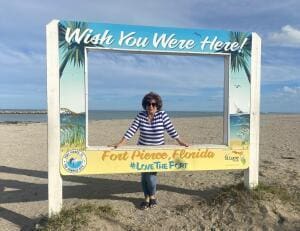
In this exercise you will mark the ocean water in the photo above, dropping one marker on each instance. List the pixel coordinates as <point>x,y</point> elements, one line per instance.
<point>28,116</point>
<point>16,118</point>
<point>107,115</point>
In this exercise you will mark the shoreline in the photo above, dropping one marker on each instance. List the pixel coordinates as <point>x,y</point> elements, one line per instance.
<point>115,119</point>
<point>21,122</point>
<point>213,113</point>
<point>25,112</point>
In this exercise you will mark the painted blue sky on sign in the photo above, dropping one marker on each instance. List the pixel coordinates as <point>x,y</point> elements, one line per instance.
<point>22,43</point>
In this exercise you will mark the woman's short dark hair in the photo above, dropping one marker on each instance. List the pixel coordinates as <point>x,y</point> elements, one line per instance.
<point>152,96</point>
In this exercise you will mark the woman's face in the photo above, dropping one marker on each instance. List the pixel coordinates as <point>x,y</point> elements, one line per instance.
<point>151,106</point>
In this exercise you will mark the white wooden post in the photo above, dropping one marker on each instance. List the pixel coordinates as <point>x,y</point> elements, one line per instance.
<point>226,100</point>
<point>54,178</point>
<point>251,174</point>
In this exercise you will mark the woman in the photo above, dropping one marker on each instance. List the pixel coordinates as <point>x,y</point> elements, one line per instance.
<point>152,122</point>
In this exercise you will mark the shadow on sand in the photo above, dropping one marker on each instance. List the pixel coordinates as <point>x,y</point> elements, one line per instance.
<point>98,188</point>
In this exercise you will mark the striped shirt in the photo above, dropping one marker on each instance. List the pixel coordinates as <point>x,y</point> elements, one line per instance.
<point>152,133</point>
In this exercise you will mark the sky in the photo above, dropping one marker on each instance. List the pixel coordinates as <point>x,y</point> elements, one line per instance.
<point>23,51</point>
<point>185,83</point>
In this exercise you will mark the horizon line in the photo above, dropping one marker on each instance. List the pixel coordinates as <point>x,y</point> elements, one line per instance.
<point>134,110</point>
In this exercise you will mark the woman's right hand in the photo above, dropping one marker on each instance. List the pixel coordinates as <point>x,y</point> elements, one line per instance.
<point>113,145</point>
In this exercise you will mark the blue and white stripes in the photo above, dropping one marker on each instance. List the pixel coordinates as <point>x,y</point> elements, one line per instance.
<point>152,133</point>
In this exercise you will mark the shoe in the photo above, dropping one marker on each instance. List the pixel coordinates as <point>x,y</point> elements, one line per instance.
<point>153,203</point>
<point>144,205</point>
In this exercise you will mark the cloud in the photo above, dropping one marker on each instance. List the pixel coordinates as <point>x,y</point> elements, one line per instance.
<point>281,98</point>
<point>184,73</point>
<point>22,56</point>
<point>291,90</point>
<point>273,73</point>
<point>119,80</point>
<point>15,56</point>
<point>288,36</point>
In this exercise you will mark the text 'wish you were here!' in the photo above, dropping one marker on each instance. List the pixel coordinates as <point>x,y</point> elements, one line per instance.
<point>156,40</point>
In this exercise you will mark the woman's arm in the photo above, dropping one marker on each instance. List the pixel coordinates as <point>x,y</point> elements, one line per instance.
<point>171,130</point>
<point>129,133</point>
<point>169,126</point>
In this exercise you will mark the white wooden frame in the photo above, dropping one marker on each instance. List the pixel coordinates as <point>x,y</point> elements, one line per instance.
<point>225,102</point>
<point>251,174</point>
<point>54,177</point>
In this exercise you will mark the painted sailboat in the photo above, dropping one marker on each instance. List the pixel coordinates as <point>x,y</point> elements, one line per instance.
<point>236,110</point>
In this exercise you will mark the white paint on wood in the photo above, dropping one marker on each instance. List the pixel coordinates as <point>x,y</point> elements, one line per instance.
<point>226,100</point>
<point>54,177</point>
<point>251,174</point>
<point>86,90</point>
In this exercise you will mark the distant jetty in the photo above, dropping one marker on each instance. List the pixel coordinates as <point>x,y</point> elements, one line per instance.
<point>23,112</point>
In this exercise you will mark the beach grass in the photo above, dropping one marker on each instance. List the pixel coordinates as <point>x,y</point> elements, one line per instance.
<point>243,199</point>
<point>263,192</point>
<point>75,218</point>
<point>72,137</point>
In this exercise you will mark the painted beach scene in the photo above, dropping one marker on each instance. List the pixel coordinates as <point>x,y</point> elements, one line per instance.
<point>198,58</point>
<point>72,130</point>
<point>240,131</point>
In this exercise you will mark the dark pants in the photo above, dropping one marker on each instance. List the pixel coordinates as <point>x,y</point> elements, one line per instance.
<point>149,181</point>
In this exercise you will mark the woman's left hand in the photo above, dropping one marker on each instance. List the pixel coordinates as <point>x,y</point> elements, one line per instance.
<point>180,142</point>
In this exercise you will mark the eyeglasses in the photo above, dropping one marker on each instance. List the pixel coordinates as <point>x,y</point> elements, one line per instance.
<point>151,104</point>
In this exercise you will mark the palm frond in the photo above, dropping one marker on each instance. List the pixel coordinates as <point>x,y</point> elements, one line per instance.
<point>72,52</point>
<point>240,59</point>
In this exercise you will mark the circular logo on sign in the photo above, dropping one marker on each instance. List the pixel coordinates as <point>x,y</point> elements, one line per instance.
<point>74,161</point>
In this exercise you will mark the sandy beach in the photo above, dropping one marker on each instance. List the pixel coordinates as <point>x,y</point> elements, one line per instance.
<point>183,196</point>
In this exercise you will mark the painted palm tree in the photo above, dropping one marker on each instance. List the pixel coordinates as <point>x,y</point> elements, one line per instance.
<point>72,52</point>
<point>240,58</point>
